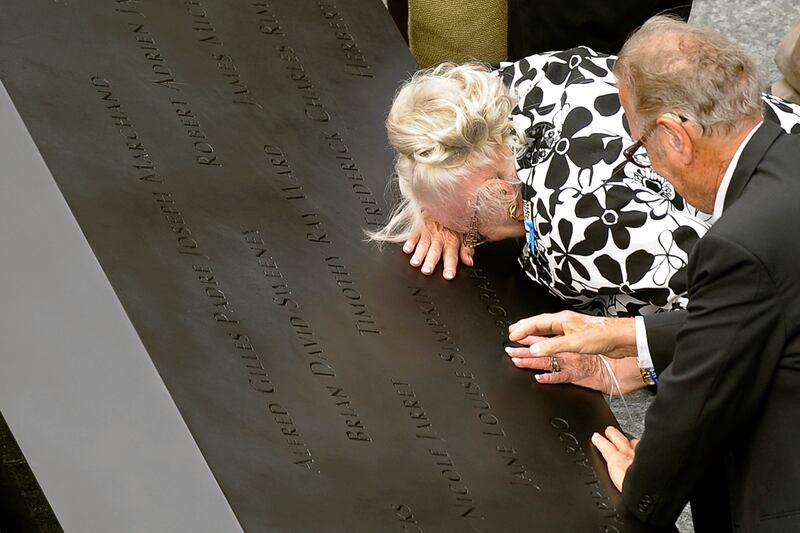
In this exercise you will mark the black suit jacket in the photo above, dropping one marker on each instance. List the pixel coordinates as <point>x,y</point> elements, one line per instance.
<point>730,365</point>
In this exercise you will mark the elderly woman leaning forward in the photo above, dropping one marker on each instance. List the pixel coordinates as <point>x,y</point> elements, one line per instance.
<point>541,149</point>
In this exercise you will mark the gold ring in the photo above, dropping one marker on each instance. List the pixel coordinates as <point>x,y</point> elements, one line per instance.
<point>554,365</point>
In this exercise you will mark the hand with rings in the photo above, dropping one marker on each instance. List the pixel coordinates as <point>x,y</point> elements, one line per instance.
<point>584,370</point>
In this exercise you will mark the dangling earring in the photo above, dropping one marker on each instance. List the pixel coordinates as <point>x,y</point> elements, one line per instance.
<point>512,212</point>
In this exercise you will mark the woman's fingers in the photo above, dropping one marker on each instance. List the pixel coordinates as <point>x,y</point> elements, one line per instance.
<point>533,363</point>
<point>432,257</point>
<point>411,243</point>
<point>467,255</point>
<point>572,367</point>
<point>579,369</point>
<point>553,378</point>
<point>452,244</point>
<point>421,250</point>
<point>436,243</point>
<point>546,364</point>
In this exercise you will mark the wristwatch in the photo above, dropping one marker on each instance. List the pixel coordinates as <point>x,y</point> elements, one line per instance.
<point>649,376</point>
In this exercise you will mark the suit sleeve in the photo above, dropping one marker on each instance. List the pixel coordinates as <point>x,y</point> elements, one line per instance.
<point>725,356</point>
<point>662,329</point>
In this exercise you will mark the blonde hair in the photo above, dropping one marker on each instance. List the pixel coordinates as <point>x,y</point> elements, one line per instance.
<point>670,66</point>
<point>444,123</point>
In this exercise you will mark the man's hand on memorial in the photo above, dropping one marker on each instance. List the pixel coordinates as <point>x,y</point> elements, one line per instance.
<point>568,331</point>
<point>588,371</point>
<point>618,452</point>
<point>435,243</point>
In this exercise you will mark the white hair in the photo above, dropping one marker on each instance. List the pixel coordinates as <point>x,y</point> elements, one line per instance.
<point>444,123</point>
<point>670,66</point>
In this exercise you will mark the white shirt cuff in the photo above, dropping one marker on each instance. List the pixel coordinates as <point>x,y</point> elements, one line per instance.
<point>644,357</point>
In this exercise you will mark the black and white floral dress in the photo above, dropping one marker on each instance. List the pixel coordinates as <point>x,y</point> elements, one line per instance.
<point>604,235</point>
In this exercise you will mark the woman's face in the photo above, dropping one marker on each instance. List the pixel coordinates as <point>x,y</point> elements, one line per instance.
<point>458,211</point>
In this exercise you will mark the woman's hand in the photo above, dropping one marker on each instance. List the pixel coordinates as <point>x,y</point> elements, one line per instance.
<point>580,369</point>
<point>435,243</point>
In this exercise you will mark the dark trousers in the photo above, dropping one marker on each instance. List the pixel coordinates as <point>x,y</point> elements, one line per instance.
<point>536,26</point>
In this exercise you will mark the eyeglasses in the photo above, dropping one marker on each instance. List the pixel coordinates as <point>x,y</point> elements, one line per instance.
<point>642,160</point>
<point>632,154</point>
<point>472,237</point>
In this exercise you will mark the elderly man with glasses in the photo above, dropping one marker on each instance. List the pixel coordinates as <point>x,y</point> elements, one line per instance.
<point>724,422</point>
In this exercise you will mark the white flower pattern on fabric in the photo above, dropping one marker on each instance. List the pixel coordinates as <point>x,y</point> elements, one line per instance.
<point>611,238</point>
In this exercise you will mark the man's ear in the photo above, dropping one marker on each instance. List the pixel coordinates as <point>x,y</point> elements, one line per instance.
<point>678,135</point>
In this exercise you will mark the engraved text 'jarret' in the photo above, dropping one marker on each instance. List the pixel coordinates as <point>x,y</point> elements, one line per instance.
<point>456,484</point>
